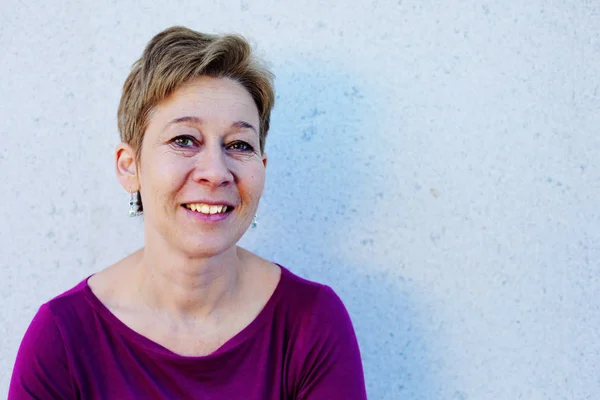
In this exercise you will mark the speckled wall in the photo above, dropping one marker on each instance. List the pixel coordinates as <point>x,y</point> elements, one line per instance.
<point>436,163</point>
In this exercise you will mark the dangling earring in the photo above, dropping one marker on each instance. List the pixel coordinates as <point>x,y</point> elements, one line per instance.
<point>254,222</point>
<point>132,205</point>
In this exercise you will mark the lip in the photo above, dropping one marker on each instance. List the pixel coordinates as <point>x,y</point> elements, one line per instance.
<point>206,217</point>
<point>210,203</point>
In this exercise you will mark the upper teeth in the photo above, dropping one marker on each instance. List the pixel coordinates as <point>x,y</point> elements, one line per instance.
<point>207,209</point>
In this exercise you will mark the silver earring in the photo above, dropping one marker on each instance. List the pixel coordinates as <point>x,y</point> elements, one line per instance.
<point>254,222</point>
<point>132,205</point>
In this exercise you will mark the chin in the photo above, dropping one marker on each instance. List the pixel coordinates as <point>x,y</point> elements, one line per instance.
<point>205,249</point>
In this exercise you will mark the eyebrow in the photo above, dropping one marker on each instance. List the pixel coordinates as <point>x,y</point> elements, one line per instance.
<point>198,121</point>
<point>186,120</point>
<point>244,125</point>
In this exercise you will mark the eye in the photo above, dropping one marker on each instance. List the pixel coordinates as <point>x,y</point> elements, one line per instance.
<point>184,141</point>
<point>240,146</point>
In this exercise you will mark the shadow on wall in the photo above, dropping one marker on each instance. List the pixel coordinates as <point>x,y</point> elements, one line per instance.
<point>315,213</point>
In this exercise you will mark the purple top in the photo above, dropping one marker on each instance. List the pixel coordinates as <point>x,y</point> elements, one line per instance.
<point>301,346</point>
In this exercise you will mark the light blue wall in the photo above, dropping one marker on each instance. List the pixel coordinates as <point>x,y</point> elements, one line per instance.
<point>436,163</point>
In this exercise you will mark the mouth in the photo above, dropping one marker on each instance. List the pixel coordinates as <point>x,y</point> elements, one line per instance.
<point>209,209</point>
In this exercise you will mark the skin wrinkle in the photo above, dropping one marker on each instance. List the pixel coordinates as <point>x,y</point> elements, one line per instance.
<point>195,121</point>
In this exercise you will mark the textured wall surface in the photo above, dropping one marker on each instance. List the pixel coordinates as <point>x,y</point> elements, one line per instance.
<point>436,163</point>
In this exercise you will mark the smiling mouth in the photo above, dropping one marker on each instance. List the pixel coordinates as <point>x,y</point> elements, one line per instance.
<point>209,209</point>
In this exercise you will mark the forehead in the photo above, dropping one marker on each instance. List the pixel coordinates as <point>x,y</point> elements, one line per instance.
<point>209,99</point>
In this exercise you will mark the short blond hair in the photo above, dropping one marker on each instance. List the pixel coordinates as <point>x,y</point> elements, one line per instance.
<point>177,55</point>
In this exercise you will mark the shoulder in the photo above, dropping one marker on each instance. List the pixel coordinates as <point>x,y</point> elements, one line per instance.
<point>59,321</point>
<point>42,366</point>
<point>326,361</point>
<point>320,316</point>
<point>309,298</point>
<point>323,322</point>
<point>69,306</point>
<point>65,310</point>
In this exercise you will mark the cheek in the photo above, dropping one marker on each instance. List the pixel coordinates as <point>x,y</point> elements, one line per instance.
<point>255,183</point>
<point>163,175</point>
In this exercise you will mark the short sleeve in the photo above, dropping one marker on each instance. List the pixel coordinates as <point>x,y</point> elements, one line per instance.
<point>41,369</point>
<point>332,366</point>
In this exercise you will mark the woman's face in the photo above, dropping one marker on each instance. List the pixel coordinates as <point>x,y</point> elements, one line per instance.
<point>201,172</point>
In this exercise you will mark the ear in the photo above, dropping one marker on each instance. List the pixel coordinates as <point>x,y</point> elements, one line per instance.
<point>127,172</point>
<point>264,159</point>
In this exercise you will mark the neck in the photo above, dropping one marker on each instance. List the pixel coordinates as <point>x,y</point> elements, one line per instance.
<point>187,288</point>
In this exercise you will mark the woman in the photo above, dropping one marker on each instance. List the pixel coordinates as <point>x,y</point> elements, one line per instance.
<point>192,315</point>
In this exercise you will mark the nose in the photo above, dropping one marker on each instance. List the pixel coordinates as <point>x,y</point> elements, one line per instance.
<point>212,168</point>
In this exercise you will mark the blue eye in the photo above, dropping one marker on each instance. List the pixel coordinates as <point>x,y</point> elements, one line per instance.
<point>240,146</point>
<point>184,141</point>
